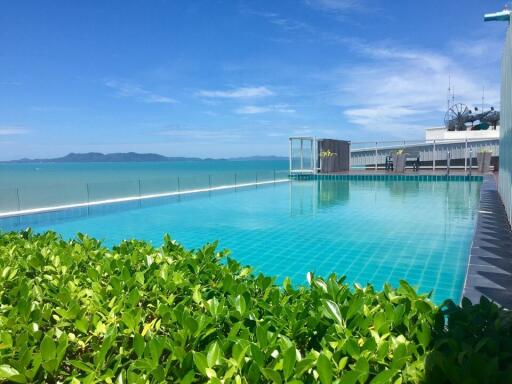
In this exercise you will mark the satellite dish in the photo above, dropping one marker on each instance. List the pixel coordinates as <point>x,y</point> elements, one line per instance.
<point>456,117</point>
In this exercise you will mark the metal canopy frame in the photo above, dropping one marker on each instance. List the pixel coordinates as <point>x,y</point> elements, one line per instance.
<point>311,154</point>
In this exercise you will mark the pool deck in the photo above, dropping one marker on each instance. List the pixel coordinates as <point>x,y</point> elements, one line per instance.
<point>490,264</point>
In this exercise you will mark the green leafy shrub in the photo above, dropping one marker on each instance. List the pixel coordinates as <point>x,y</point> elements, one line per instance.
<point>75,311</point>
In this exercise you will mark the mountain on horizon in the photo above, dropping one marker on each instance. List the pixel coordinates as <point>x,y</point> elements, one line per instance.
<point>97,157</point>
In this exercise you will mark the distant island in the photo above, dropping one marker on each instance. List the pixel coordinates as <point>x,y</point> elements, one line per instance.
<point>96,157</point>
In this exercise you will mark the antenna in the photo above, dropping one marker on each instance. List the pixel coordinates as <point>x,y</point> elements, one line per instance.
<point>483,98</point>
<point>449,90</point>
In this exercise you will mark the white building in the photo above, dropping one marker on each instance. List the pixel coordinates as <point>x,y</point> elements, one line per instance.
<point>441,133</point>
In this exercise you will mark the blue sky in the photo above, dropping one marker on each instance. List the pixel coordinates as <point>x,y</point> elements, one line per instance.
<point>235,78</point>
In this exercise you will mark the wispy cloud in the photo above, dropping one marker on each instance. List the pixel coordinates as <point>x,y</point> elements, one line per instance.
<point>10,83</point>
<point>334,5</point>
<point>283,22</point>
<point>189,135</point>
<point>130,90</point>
<point>237,93</point>
<point>399,91</point>
<point>12,130</point>
<point>51,108</point>
<point>255,109</point>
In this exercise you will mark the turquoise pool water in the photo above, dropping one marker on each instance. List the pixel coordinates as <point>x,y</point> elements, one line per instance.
<point>371,231</point>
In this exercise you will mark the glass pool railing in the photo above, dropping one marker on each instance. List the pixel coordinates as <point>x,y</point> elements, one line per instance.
<point>30,197</point>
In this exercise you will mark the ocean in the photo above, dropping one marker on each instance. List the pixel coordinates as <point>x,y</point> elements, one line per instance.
<point>36,185</point>
<point>13,175</point>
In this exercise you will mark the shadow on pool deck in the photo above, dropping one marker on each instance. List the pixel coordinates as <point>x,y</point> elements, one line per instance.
<point>490,264</point>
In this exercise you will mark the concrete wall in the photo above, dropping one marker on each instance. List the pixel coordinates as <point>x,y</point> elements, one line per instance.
<point>505,177</point>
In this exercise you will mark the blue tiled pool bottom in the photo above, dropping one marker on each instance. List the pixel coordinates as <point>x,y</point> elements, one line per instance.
<point>373,231</point>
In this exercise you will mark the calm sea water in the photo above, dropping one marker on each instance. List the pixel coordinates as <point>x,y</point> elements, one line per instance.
<point>43,174</point>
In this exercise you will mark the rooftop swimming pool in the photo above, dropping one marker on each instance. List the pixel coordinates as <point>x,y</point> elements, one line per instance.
<point>373,231</point>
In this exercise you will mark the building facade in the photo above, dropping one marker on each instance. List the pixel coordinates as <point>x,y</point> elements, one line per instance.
<point>505,173</point>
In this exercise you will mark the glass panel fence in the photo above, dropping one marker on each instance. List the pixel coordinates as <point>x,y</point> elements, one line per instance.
<point>9,199</point>
<point>222,179</point>
<point>45,196</point>
<point>158,186</point>
<point>113,190</point>
<point>32,197</point>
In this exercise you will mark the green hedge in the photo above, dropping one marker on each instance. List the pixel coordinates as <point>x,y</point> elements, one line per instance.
<point>76,311</point>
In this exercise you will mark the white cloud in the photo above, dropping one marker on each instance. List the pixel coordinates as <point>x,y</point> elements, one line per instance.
<point>238,93</point>
<point>126,89</point>
<point>254,109</point>
<point>399,92</point>
<point>251,110</point>
<point>200,134</point>
<point>334,5</point>
<point>10,131</point>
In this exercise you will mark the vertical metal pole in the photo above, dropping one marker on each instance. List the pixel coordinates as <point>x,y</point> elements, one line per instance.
<point>209,181</point>
<point>301,154</point>
<point>274,176</point>
<point>88,199</point>
<point>140,201</point>
<point>434,156</point>
<point>313,155</point>
<point>235,179</point>
<point>290,159</point>
<point>178,184</point>
<point>256,179</point>
<point>18,197</point>
<point>375,156</point>
<point>448,160</point>
<point>470,160</point>
<point>466,155</point>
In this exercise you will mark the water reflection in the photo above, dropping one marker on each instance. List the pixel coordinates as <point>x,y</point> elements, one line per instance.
<point>309,196</point>
<point>457,197</point>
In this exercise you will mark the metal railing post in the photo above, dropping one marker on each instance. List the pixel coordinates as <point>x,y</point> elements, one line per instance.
<point>290,160</point>
<point>274,176</point>
<point>301,154</point>
<point>466,155</point>
<point>448,160</point>
<point>434,156</point>
<point>256,179</point>
<point>178,184</point>
<point>209,182</point>
<point>235,181</point>
<point>18,197</point>
<point>470,160</point>
<point>140,201</point>
<point>375,156</point>
<point>88,199</point>
<point>312,155</point>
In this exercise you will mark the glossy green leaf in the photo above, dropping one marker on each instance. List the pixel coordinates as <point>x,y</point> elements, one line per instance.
<point>384,377</point>
<point>48,348</point>
<point>214,354</point>
<point>200,362</point>
<point>289,359</point>
<point>324,369</point>
<point>9,373</point>
<point>334,311</point>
